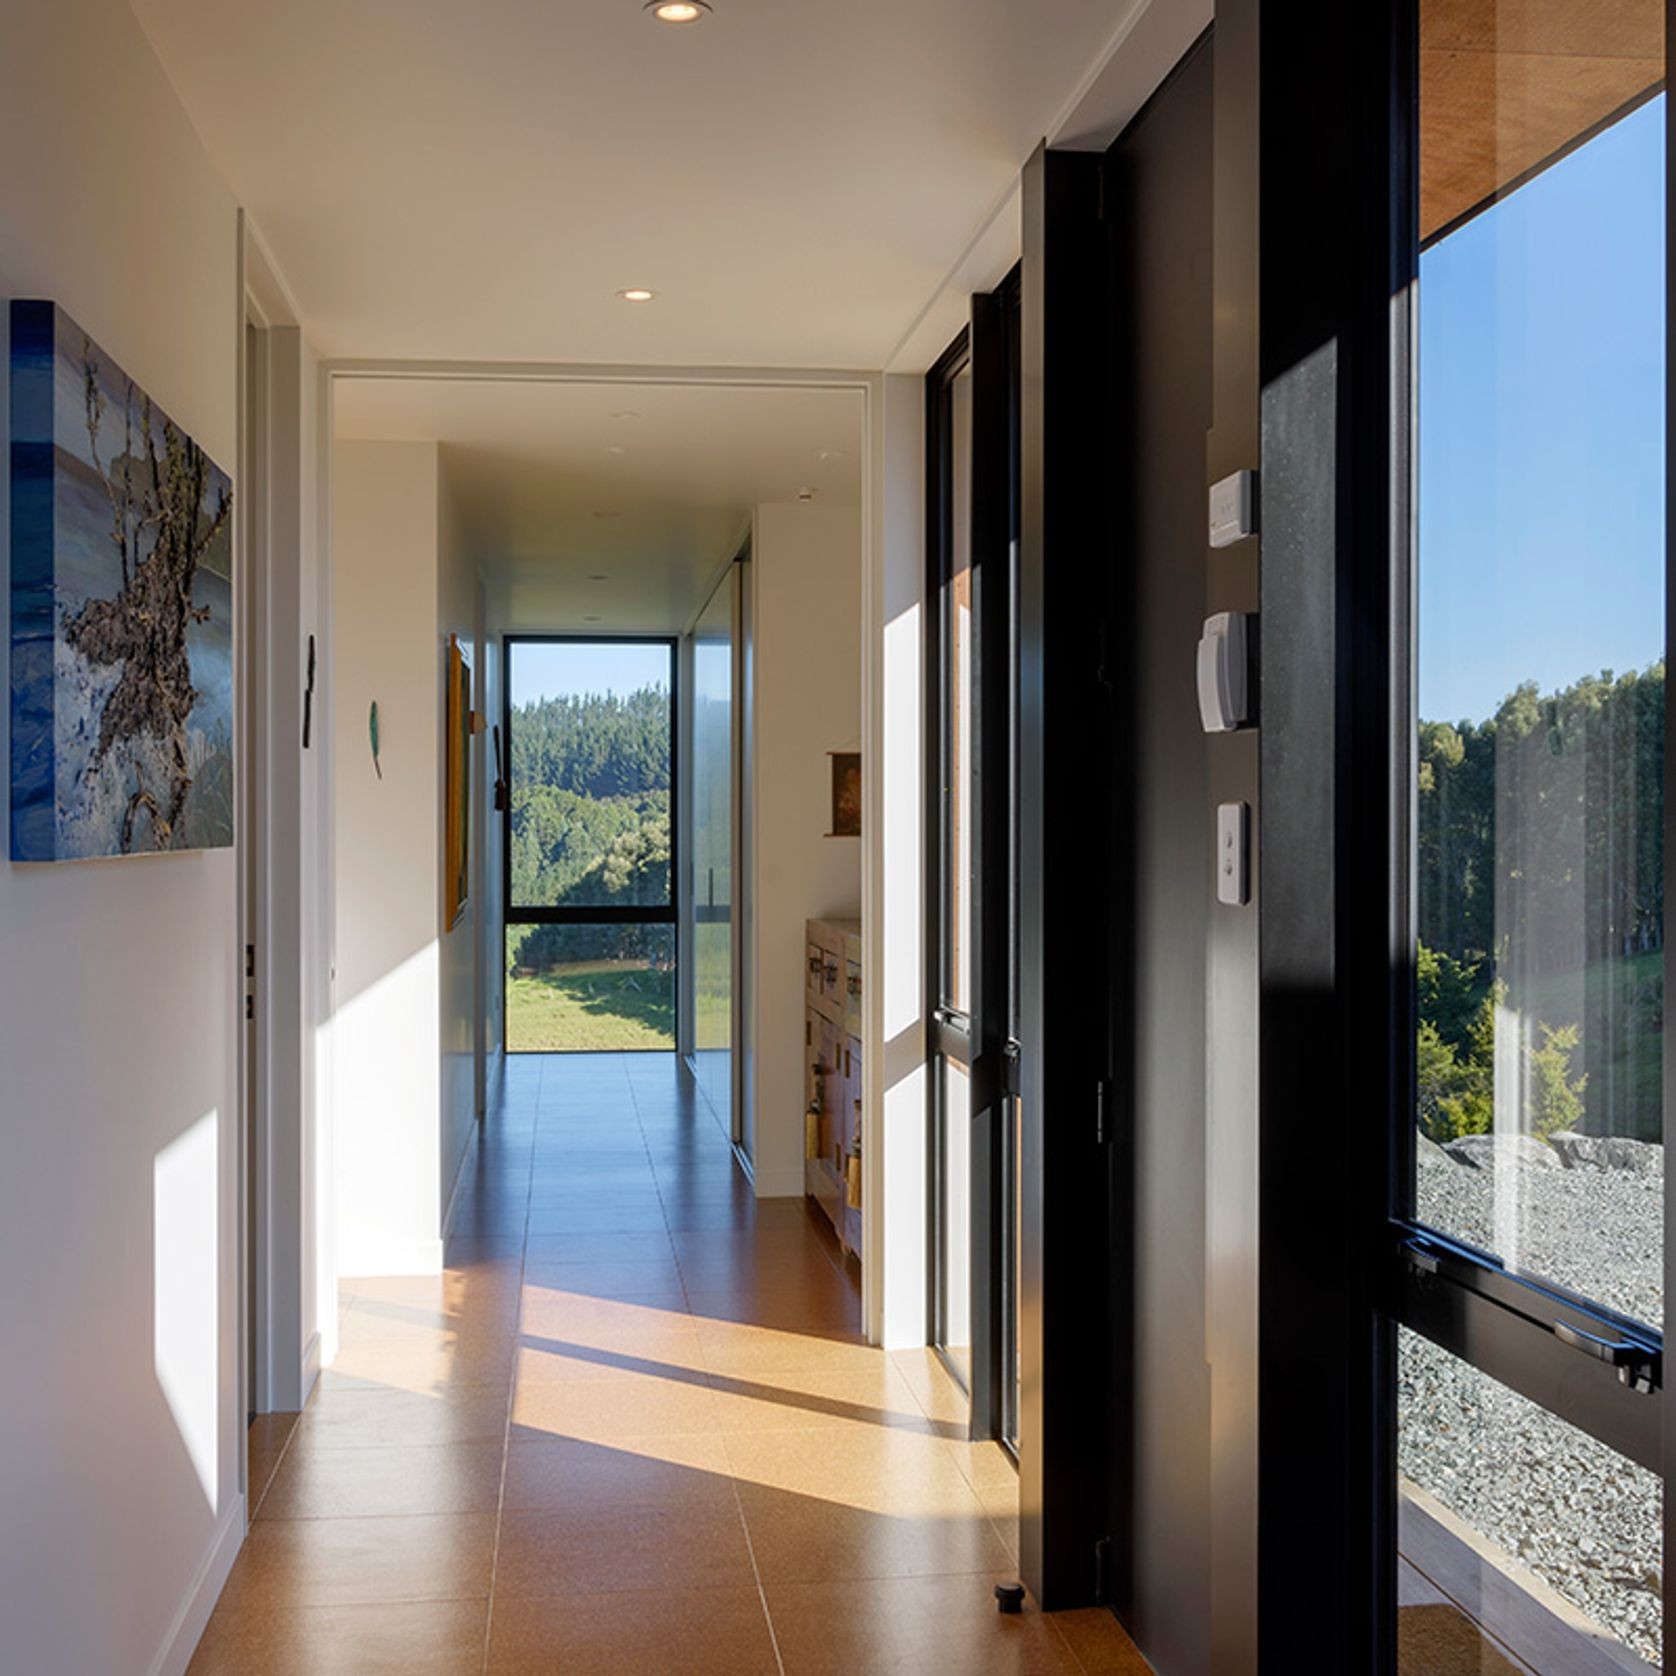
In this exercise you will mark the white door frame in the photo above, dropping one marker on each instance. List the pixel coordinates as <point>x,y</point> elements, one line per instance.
<point>279,1341</point>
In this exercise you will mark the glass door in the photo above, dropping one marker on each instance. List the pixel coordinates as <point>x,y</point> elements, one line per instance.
<point>1530,1497</point>
<point>952,662</point>
<point>972,400</point>
<point>590,848</point>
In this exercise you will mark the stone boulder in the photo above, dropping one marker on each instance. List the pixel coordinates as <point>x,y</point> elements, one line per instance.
<point>1488,1152</point>
<point>1608,1152</point>
<point>1428,1154</point>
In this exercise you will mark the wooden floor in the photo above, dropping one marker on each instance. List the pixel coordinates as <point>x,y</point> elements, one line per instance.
<point>631,1431</point>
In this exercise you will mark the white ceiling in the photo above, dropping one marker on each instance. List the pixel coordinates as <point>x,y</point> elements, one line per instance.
<point>796,178</point>
<point>532,465</point>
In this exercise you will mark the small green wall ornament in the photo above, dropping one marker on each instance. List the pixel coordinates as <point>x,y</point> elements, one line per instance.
<point>372,730</point>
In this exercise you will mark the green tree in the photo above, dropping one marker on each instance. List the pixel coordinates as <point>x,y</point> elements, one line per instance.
<point>1556,1098</point>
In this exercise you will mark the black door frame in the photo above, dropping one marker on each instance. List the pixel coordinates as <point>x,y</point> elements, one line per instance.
<point>995,333</point>
<point>1065,966</point>
<point>659,914</point>
<point>983,1039</point>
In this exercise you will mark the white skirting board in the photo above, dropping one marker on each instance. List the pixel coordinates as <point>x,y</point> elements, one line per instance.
<point>188,1628</point>
<point>780,1183</point>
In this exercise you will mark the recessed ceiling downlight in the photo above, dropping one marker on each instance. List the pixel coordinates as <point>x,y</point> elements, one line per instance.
<point>637,294</point>
<point>678,11</point>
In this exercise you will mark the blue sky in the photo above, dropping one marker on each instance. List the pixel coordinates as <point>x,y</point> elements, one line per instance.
<point>1542,430</point>
<point>595,666</point>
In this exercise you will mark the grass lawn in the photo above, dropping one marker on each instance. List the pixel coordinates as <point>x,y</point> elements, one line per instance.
<point>593,1007</point>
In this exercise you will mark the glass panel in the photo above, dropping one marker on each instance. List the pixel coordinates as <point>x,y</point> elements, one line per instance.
<point>590,988</point>
<point>1541,643</point>
<point>957,1216</point>
<point>1552,1542</point>
<point>712,874</point>
<point>590,752</point>
<point>957,723</point>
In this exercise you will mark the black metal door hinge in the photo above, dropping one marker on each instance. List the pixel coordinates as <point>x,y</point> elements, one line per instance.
<point>250,1008</point>
<point>1102,1569</point>
<point>1102,1113</point>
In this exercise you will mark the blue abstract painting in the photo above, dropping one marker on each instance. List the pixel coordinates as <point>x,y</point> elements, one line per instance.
<point>122,610</point>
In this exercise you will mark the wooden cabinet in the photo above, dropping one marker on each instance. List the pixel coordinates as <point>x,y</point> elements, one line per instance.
<point>832,1035</point>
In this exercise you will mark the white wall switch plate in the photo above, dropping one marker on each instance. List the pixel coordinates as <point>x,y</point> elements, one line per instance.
<point>1233,854</point>
<point>1233,508</point>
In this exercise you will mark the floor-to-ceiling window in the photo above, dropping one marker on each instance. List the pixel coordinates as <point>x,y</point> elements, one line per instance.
<point>590,845</point>
<point>714,719</point>
<point>1529,1357</point>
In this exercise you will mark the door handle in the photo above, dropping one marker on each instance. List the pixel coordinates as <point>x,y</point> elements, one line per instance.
<point>1633,1362</point>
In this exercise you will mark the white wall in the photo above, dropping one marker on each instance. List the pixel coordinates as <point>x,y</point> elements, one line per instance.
<point>459,613</point>
<point>386,1034</point>
<point>805,625</point>
<point>896,1230</point>
<point>120,1454</point>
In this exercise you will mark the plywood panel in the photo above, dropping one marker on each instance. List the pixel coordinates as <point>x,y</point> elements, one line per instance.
<point>1506,85</point>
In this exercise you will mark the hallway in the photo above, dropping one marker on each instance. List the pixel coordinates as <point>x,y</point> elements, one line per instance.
<point>632,1429</point>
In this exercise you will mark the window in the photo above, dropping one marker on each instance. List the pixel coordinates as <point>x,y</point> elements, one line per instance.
<point>590,919</point>
<point>1527,1424</point>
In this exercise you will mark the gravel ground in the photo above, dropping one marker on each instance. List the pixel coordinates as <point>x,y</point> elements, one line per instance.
<point>1582,1517</point>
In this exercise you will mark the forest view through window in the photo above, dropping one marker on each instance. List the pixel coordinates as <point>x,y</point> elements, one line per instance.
<point>1540,818</point>
<point>590,935</point>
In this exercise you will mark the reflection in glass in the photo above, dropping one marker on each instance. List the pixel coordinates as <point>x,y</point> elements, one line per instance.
<point>1552,1541</point>
<point>957,1217</point>
<point>957,976</point>
<point>713,838</point>
<point>590,754</point>
<point>1541,679</point>
<point>590,988</point>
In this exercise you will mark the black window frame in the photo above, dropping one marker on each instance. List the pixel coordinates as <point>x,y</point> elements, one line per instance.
<point>1320,122</point>
<point>668,914</point>
<point>1316,262</point>
<point>1597,1369</point>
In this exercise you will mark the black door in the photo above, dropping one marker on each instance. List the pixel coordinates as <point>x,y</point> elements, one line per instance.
<point>1158,203</point>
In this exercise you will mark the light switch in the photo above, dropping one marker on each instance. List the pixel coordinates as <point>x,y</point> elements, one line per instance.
<point>1233,849</point>
<point>1233,508</point>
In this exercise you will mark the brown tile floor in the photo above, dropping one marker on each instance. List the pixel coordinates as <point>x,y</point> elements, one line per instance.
<point>631,1431</point>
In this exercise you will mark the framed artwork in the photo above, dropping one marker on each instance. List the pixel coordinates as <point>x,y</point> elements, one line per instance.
<point>846,794</point>
<point>121,610</point>
<point>457,786</point>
